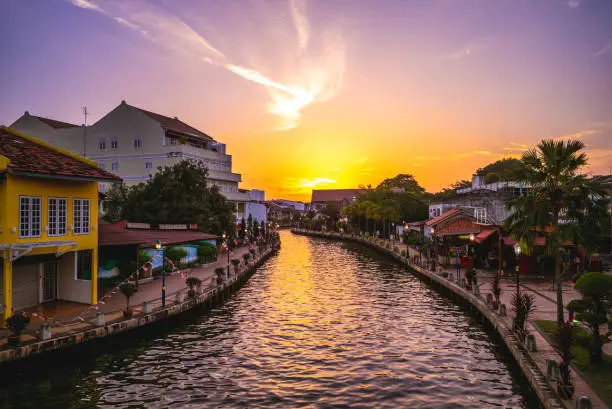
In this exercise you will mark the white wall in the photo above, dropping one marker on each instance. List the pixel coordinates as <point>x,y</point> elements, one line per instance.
<point>257,211</point>
<point>68,288</point>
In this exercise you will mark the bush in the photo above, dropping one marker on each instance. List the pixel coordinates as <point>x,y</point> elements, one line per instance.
<point>395,249</point>
<point>192,282</point>
<point>523,304</point>
<point>206,253</point>
<point>176,254</point>
<point>403,253</point>
<point>17,322</point>
<point>564,338</point>
<point>128,290</point>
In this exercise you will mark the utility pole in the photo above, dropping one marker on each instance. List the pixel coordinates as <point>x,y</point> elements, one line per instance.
<point>85,113</point>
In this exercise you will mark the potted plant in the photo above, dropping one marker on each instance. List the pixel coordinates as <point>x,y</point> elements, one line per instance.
<point>564,338</point>
<point>496,291</point>
<point>523,304</point>
<point>16,323</point>
<point>246,258</point>
<point>128,290</point>
<point>220,272</point>
<point>192,283</point>
<point>236,263</point>
<point>252,251</point>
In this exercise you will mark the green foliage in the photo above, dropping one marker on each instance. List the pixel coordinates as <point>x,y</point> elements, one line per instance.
<point>598,376</point>
<point>492,177</point>
<point>128,290</point>
<point>596,290</point>
<point>505,169</point>
<point>403,253</point>
<point>17,322</point>
<point>523,304</point>
<point>235,262</point>
<point>176,254</point>
<point>206,252</point>
<point>557,186</point>
<point>192,282</point>
<point>403,181</point>
<point>177,194</point>
<point>219,271</point>
<point>451,190</point>
<point>114,201</point>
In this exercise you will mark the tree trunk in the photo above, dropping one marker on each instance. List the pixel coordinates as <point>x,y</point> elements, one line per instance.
<point>558,283</point>
<point>596,354</point>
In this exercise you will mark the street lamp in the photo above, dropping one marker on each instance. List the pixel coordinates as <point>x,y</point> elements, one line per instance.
<point>472,237</point>
<point>226,239</point>
<point>158,247</point>
<point>517,251</point>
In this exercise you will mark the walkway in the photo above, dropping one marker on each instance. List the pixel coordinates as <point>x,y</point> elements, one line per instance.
<point>67,312</point>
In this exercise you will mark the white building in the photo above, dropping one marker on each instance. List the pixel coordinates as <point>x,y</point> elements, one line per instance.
<point>132,143</point>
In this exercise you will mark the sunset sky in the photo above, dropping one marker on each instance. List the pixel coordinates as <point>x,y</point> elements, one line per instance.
<point>326,94</point>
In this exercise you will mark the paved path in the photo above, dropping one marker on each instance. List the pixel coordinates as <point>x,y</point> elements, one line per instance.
<point>64,312</point>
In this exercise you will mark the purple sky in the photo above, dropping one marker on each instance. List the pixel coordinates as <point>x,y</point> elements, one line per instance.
<point>459,82</point>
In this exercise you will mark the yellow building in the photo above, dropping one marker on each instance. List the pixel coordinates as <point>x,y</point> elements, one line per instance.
<point>48,223</point>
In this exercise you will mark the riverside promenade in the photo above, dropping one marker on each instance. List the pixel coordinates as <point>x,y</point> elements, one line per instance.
<point>63,329</point>
<point>533,362</point>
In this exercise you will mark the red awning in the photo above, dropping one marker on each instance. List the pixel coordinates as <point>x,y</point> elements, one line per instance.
<point>483,235</point>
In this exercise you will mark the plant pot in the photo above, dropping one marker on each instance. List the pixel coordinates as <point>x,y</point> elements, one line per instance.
<point>191,293</point>
<point>128,312</point>
<point>13,339</point>
<point>566,391</point>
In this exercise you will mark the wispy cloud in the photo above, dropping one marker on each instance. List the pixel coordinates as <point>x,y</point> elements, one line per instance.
<point>603,50</point>
<point>428,157</point>
<point>316,76</point>
<point>516,147</point>
<point>578,135</point>
<point>362,160</point>
<point>463,52</point>
<point>574,3</point>
<point>300,185</point>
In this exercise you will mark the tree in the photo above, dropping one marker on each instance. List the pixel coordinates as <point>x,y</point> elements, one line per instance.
<point>128,290</point>
<point>177,194</point>
<point>492,177</point>
<point>596,290</point>
<point>403,181</point>
<point>113,202</point>
<point>505,168</point>
<point>556,189</point>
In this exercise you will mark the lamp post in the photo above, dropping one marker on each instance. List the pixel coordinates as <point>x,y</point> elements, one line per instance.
<point>226,239</point>
<point>517,251</point>
<point>158,246</point>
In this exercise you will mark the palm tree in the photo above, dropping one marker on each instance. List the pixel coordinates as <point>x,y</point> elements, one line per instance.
<point>556,190</point>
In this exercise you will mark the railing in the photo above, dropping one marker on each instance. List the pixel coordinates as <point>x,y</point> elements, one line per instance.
<point>92,317</point>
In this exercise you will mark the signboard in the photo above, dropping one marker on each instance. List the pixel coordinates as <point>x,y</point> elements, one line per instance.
<point>172,227</point>
<point>138,226</point>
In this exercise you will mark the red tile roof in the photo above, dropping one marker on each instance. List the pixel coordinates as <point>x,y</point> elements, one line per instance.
<point>29,155</point>
<point>334,195</point>
<point>55,124</point>
<point>458,226</point>
<point>115,235</point>
<point>442,217</point>
<point>483,235</point>
<point>175,125</point>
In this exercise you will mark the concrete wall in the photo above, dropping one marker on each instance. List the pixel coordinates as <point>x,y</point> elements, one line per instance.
<point>69,288</point>
<point>257,212</point>
<point>71,139</point>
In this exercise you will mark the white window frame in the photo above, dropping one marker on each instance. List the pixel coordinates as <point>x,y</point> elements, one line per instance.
<point>54,222</point>
<point>102,165</point>
<point>30,223</point>
<point>115,165</point>
<point>80,219</point>
<point>114,142</point>
<point>148,165</point>
<point>102,143</point>
<point>137,142</point>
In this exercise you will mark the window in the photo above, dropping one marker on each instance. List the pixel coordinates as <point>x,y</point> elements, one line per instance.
<point>102,187</point>
<point>29,216</point>
<point>137,142</point>
<point>148,165</point>
<point>83,264</point>
<point>115,165</point>
<point>102,144</point>
<point>57,216</point>
<point>101,165</point>
<point>81,216</point>
<point>114,142</point>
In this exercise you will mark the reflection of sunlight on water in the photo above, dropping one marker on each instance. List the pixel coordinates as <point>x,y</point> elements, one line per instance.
<point>321,324</point>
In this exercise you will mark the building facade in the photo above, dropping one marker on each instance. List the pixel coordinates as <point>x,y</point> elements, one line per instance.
<point>48,223</point>
<point>132,143</point>
<point>337,197</point>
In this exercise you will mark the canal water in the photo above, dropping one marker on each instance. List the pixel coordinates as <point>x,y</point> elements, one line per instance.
<point>321,325</point>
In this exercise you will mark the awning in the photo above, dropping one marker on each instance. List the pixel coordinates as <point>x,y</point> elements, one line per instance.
<point>483,235</point>
<point>18,250</point>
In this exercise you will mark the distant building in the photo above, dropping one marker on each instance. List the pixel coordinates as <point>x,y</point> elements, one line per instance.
<point>256,207</point>
<point>338,197</point>
<point>132,143</point>
<point>485,201</point>
<point>48,223</point>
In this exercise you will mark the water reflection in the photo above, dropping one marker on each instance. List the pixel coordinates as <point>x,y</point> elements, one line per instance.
<point>323,324</point>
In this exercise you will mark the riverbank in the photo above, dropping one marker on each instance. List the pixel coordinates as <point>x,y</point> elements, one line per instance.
<point>150,311</point>
<point>534,364</point>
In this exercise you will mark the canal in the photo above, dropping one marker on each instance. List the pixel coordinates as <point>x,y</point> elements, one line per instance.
<point>323,324</point>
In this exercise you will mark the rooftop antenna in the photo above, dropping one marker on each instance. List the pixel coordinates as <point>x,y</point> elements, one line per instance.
<point>85,113</point>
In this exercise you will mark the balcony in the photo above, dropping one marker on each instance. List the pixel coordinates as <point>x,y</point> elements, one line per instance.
<point>224,176</point>
<point>236,196</point>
